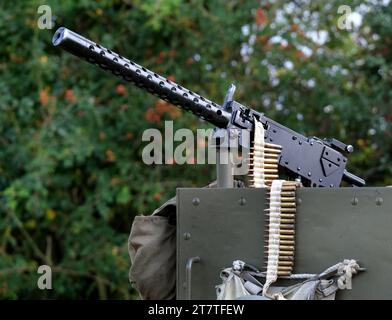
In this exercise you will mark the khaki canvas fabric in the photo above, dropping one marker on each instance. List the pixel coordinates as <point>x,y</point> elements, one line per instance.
<point>152,248</point>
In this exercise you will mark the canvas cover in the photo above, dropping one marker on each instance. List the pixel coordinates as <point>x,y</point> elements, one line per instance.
<point>152,248</point>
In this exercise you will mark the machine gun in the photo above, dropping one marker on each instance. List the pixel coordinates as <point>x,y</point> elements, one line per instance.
<point>317,162</point>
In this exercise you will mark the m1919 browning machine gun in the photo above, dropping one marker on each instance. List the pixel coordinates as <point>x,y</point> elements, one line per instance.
<point>318,162</point>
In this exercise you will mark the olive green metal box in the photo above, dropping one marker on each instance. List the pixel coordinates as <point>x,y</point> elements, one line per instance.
<point>222,225</point>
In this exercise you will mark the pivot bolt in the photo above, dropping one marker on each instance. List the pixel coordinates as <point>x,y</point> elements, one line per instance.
<point>195,201</point>
<point>186,235</point>
<point>379,201</point>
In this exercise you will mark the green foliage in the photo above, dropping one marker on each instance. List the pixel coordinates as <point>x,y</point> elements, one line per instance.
<point>71,175</point>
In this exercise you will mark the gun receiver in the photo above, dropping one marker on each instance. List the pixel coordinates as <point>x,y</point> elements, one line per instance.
<point>318,162</point>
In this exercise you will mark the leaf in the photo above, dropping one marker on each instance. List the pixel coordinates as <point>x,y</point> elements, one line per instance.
<point>124,196</point>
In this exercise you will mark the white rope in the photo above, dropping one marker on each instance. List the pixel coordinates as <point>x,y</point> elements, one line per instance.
<point>346,271</point>
<point>301,276</point>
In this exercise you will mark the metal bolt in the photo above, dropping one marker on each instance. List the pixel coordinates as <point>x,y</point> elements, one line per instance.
<point>309,174</point>
<point>186,235</point>
<point>299,201</point>
<point>242,201</point>
<point>349,148</point>
<point>379,201</point>
<point>195,201</point>
<point>233,134</point>
<point>354,201</point>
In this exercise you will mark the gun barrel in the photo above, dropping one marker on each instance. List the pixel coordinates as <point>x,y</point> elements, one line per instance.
<point>141,77</point>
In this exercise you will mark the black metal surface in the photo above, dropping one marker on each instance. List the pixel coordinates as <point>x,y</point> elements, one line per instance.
<point>331,225</point>
<point>318,162</point>
<point>314,161</point>
<point>140,76</point>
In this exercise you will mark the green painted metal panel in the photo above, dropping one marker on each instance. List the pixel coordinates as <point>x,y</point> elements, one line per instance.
<point>222,225</point>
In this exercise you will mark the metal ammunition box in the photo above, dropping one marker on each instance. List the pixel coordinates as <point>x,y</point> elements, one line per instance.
<point>222,225</point>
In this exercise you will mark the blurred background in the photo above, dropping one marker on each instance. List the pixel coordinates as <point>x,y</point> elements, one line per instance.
<point>71,173</point>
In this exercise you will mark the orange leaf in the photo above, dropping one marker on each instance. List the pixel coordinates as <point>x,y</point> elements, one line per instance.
<point>44,96</point>
<point>120,89</point>
<point>129,136</point>
<point>260,18</point>
<point>69,96</point>
<point>294,27</point>
<point>110,156</point>
<point>262,39</point>
<point>152,116</point>
<point>157,196</point>
<point>102,136</point>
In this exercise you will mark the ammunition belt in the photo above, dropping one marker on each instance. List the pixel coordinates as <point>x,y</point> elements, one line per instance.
<point>280,214</point>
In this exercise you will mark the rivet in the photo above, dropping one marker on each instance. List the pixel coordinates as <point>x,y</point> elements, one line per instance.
<point>186,235</point>
<point>299,201</point>
<point>354,201</point>
<point>379,201</point>
<point>195,201</point>
<point>309,174</point>
<point>242,201</point>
